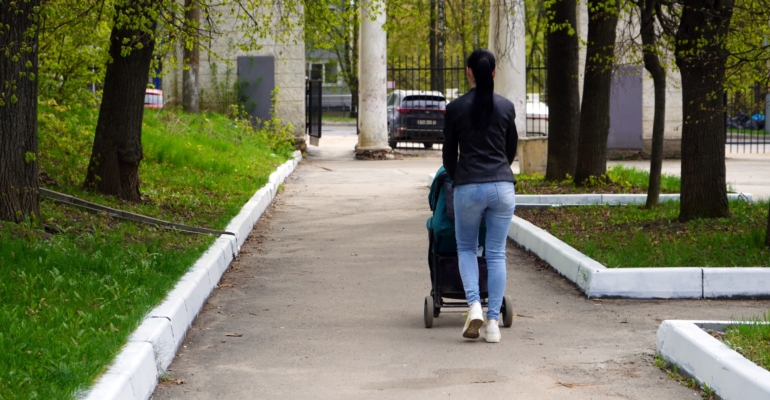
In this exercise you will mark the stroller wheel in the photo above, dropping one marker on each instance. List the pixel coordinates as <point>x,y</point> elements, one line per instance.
<point>507,311</point>
<point>428,311</point>
<point>436,311</point>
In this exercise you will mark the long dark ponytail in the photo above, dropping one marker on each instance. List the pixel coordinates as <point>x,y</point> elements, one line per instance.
<point>482,63</point>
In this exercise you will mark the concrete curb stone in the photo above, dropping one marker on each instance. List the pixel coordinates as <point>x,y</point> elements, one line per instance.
<point>711,362</point>
<point>598,281</point>
<point>152,346</point>
<point>722,282</point>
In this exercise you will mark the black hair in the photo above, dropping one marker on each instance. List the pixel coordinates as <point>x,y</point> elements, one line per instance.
<point>482,63</point>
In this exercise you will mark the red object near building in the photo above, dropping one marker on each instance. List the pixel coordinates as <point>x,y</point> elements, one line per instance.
<point>153,98</point>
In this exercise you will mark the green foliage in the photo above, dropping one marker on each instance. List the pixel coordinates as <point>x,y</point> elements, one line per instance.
<point>635,237</point>
<point>224,94</point>
<point>74,40</point>
<point>617,179</point>
<point>68,301</point>
<point>333,25</point>
<point>65,140</point>
<point>466,28</point>
<point>747,43</point>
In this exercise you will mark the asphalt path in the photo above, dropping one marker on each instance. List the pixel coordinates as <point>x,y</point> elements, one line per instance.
<point>326,301</point>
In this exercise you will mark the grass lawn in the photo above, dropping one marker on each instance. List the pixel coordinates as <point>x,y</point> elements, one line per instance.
<point>631,236</point>
<point>618,179</point>
<point>751,340</point>
<point>746,131</point>
<point>71,294</point>
<point>327,118</point>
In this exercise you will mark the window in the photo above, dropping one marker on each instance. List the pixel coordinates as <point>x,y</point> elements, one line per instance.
<point>316,71</point>
<point>326,72</point>
<point>330,72</point>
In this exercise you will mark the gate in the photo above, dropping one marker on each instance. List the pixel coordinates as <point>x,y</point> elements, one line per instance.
<point>313,111</point>
<point>745,127</point>
<point>407,73</point>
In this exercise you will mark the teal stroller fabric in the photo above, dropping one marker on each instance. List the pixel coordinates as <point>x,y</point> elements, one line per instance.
<point>442,226</point>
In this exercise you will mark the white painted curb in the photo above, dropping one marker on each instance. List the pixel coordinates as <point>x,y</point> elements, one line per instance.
<point>709,361</point>
<point>598,281</point>
<point>153,345</point>
<point>595,199</point>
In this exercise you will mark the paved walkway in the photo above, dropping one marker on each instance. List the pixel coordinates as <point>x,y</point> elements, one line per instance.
<point>328,297</point>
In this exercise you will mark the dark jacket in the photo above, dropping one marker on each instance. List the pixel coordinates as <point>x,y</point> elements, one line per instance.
<point>484,156</point>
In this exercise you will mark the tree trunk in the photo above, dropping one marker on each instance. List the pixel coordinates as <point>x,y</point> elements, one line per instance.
<point>562,91</point>
<point>440,46</point>
<point>597,84</point>
<point>191,56</point>
<point>701,57</point>
<point>117,151</point>
<point>652,65</point>
<point>432,41</point>
<point>19,196</point>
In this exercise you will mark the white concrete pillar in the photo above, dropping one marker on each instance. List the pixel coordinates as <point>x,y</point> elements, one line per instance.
<point>582,31</point>
<point>372,82</point>
<point>507,43</point>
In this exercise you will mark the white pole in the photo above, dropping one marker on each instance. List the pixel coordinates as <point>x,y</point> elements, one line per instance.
<point>372,83</point>
<point>507,43</point>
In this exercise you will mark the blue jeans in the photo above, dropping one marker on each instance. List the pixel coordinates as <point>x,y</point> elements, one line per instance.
<point>495,201</point>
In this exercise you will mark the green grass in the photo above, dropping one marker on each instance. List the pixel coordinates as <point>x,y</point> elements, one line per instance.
<point>631,236</point>
<point>752,340</point>
<point>69,301</point>
<point>327,118</point>
<point>617,179</point>
<point>747,131</point>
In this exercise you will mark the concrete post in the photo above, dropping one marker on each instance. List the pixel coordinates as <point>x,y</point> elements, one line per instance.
<point>507,43</point>
<point>372,83</point>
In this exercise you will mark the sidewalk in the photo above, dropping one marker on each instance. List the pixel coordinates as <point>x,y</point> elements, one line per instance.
<point>328,297</point>
<point>746,172</point>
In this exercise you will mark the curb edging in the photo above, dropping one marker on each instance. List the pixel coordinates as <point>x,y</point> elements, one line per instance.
<point>152,346</point>
<point>598,281</point>
<point>709,361</point>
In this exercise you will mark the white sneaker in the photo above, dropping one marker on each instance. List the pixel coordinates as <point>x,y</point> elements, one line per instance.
<point>492,332</point>
<point>474,322</point>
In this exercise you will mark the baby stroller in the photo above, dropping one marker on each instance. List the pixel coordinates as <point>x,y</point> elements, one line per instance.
<point>446,282</point>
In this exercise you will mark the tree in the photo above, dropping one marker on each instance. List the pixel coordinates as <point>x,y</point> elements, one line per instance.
<point>536,25</point>
<point>648,9</point>
<point>114,165</point>
<point>333,25</point>
<point>597,84</point>
<point>562,88</point>
<point>19,197</point>
<point>190,84</point>
<point>701,56</point>
<point>117,151</point>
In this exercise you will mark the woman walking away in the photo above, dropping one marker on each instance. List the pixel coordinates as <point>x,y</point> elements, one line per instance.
<point>482,124</point>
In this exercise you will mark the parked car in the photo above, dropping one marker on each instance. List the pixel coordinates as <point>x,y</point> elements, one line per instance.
<point>153,98</point>
<point>537,118</point>
<point>416,116</point>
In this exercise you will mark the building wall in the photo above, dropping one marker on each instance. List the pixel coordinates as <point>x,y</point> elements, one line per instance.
<point>628,52</point>
<point>220,67</point>
<point>672,133</point>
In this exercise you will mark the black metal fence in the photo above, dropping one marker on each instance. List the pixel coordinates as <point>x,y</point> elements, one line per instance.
<point>313,110</point>
<point>406,73</point>
<point>745,128</point>
<point>537,102</point>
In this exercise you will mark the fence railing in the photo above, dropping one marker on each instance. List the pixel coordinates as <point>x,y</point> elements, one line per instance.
<point>406,73</point>
<point>745,128</point>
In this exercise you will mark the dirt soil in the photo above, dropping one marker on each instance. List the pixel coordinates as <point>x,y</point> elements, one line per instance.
<point>326,301</point>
